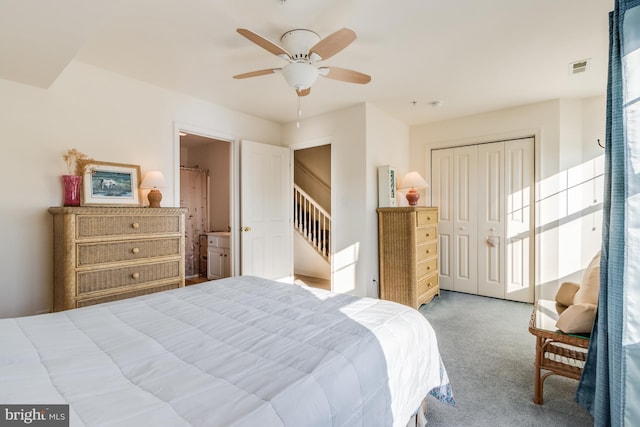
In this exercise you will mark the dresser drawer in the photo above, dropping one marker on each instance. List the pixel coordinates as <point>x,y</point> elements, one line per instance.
<point>98,253</point>
<point>426,218</point>
<point>106,225</point>
<point>427,284</point>
<point>124,295</point>
<point>427,250</point>
<point>113,278</point>
<point>427,267</point>
<point>426,233</point>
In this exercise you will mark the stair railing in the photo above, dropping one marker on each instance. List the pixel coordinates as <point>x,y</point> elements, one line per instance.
<point>312,222</point>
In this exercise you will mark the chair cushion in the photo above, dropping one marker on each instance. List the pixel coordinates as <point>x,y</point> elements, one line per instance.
<point>577,318</point>
<point>566,293</point>
<point>590,286</point>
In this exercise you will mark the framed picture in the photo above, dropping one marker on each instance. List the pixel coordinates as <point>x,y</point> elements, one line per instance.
<point>111,184</point>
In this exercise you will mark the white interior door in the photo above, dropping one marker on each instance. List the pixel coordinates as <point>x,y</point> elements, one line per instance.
<point>265,211</point>
<point>519,220</point>
<point>465,234</point>
<point>491,220</point>
<point>442,197</point>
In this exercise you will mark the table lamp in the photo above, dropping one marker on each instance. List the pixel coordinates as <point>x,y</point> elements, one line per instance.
<point>411,181</point>
<point>153,180</point>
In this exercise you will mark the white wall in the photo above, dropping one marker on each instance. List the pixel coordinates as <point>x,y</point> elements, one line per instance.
<point>345,130</point>
<point>307,260</point>
<point>312,173</point>
<point>362,138</point>
<point>387,144</point>
<point>110,118</point>
<point>567,170</point>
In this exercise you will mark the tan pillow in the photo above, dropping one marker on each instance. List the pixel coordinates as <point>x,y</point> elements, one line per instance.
<point>566,292</point>
<point>590,286</point>
<point>577,318</point>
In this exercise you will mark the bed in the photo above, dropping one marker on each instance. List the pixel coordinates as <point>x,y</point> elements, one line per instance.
<point>242,351</point>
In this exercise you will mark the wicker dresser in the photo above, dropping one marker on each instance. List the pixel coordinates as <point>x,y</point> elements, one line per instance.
<point>408,254</point>
<point>112,253</point>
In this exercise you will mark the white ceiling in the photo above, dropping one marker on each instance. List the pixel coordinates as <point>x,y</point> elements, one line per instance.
<point>471,55</point>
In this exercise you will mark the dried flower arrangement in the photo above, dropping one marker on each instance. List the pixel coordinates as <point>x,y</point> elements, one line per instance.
<point>76,161</point>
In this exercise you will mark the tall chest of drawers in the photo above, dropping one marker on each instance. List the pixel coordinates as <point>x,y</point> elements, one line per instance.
<point>408,254</point>
<point>112,253</point>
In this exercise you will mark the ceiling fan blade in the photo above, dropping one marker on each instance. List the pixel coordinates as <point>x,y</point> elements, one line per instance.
<point>256,73</point>
<point>332,44</point>
<point>264,43</point>
<point>345,75</point>
<point>304,92</point>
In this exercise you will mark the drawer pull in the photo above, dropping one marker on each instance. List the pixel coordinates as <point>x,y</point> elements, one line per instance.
<point>135,250</point>
<point>135,275</point>
<point>428,235</point>
<point>135,225</point>
<point>428,251</point>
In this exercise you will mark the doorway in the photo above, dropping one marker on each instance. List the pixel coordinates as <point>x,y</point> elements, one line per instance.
<point>205,177</point>
<point>312,216</point>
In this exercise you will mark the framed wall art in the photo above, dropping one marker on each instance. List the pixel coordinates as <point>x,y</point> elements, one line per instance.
<point>110,184</point>
<point>387,187</point>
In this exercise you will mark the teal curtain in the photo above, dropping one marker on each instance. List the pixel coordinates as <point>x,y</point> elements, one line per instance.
<point>610,383</point>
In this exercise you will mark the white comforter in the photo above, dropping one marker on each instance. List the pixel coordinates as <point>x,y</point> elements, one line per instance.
<point>235,352</point>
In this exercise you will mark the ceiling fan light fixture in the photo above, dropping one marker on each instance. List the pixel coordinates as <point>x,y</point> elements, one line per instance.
<point>314,57</point>
<point>298,42</point>
<point>300,75</point>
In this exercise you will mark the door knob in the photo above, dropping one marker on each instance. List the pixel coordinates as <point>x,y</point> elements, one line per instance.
<point>247,229</point>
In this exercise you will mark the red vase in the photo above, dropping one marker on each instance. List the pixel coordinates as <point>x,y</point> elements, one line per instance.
<point>71,185</point>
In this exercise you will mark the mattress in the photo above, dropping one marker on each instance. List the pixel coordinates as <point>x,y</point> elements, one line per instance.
<point>241,351</point>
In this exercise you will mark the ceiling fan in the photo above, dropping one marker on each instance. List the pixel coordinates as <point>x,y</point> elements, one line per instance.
<point>302,49</point>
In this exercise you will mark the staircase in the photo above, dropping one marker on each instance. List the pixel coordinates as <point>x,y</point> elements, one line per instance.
<point>312,222</point>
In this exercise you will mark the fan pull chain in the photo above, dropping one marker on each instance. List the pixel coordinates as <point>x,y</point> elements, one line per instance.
<point>299,113</point>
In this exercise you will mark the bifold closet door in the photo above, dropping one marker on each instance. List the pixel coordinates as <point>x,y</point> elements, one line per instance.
<point>519,185</point>
<point>442,197</point>
<point>465,225</point>
<point>485,195</point>
<point>491,220</point>
<point>454,192</point>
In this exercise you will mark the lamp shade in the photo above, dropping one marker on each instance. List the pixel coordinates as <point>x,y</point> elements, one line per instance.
<point>153,179</point>
<point>413,180</point>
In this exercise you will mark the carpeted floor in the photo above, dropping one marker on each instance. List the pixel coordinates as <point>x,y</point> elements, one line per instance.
<point>489,353</point>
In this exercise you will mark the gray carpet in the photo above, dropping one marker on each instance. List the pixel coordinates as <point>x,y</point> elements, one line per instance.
<point>489,353</point>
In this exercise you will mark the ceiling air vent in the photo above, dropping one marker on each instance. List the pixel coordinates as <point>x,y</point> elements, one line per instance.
<point>579,66</point>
